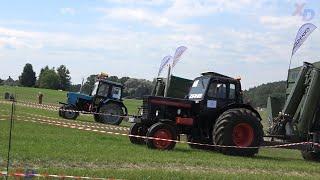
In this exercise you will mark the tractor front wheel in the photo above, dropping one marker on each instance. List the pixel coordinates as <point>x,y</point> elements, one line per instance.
<point>96,118</point>
<point>68,112</point>
<point>240,128</point>
<point>310,156</point>
<point>111,113</point>
<point>137,129</point>
<point>161,136</point>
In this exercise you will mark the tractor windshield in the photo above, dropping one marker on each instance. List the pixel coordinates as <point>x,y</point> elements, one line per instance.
<point>116,92</point>
<point>95,88</point>
<point>198,88</point>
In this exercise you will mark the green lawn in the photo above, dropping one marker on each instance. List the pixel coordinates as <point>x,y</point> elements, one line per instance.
<point>58,150</point>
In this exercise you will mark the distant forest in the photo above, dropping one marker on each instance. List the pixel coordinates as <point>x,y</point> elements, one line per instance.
<point>258,96</point>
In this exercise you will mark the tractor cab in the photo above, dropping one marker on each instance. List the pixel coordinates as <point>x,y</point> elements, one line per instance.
<point>215,90</point>
<point>104,89</point>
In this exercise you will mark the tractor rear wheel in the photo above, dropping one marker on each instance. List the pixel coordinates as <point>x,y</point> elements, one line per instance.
<point>238,127</point>
<point>161,131</point>
<point>68,112</point>
<point>137,129</point>
<point>111,114</point>
<point>310,156</point>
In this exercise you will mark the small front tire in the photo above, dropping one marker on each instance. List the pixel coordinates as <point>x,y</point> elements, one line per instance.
<point>310,156</point>
<point>68,112</point>
<point>137,129</point>
<point>161,131</point>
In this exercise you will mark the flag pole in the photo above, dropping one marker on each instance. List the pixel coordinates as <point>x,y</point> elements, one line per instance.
<point>167,81</point>
<point>289,70</point>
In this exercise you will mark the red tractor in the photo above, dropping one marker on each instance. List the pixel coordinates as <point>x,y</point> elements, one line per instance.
<point>213,112</point>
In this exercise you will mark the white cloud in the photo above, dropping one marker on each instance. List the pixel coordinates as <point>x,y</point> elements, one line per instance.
<point>182,9</point>
<point>176,10</point>
<point>138,2</point>
<point>68,11</point>
<point>139,15</point>
<point>280,22</point>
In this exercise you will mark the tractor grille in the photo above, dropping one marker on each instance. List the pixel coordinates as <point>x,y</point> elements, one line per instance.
<point>145,108</point>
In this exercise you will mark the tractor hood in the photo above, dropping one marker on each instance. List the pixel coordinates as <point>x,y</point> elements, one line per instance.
<point>74,96</point>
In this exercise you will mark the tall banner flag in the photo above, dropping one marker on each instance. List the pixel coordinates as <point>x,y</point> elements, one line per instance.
<point>179,51</point>
<point>163,64</point>
<point>303,33</point>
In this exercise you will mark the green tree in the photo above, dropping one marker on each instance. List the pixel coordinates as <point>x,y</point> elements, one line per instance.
<point>123,80</point>
<point>49,79</point>
<point>113,78</point>
<point>88,85</point>
<point>28,76</point>
<point>258,96</point>
<point>64,77</point>
<point>46,68</point>
<point>75,87</point>
<point>137,88</point>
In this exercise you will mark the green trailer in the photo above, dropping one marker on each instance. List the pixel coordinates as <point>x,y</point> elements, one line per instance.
<point>299,119</point>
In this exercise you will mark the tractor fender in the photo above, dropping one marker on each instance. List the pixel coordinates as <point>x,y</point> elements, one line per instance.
<point>236,105</point>
<point>167,121</point>
<point>120,103</point>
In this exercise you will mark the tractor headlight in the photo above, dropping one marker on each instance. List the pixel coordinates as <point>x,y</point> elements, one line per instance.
<point>179,111</point>
<point>157,112</point>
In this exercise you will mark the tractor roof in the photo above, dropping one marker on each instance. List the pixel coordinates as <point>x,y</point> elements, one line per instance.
<point>110,82</point>
<point>218,76</point>
<point>214,74</point>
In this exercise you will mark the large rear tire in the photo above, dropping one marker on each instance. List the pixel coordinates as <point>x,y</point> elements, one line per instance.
<point>137,129</point>
<point>111,114</point>
<point>310,156</point>
<point>161,131</point>
<point>238,127</point>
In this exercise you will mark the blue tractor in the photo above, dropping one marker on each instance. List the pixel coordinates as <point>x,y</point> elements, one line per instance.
<point>105,102</point>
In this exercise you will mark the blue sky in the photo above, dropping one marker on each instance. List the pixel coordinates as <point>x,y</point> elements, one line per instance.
<point>247,38</point>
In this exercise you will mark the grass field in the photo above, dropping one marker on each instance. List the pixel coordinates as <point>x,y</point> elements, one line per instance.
<point>57,150</point>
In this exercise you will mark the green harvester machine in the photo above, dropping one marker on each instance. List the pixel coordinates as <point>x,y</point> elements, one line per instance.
<point>299,119</point>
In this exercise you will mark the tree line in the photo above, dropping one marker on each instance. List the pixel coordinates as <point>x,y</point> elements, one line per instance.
<point>49,78</point>
<point>59,78</point>
<point>258,96</point>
